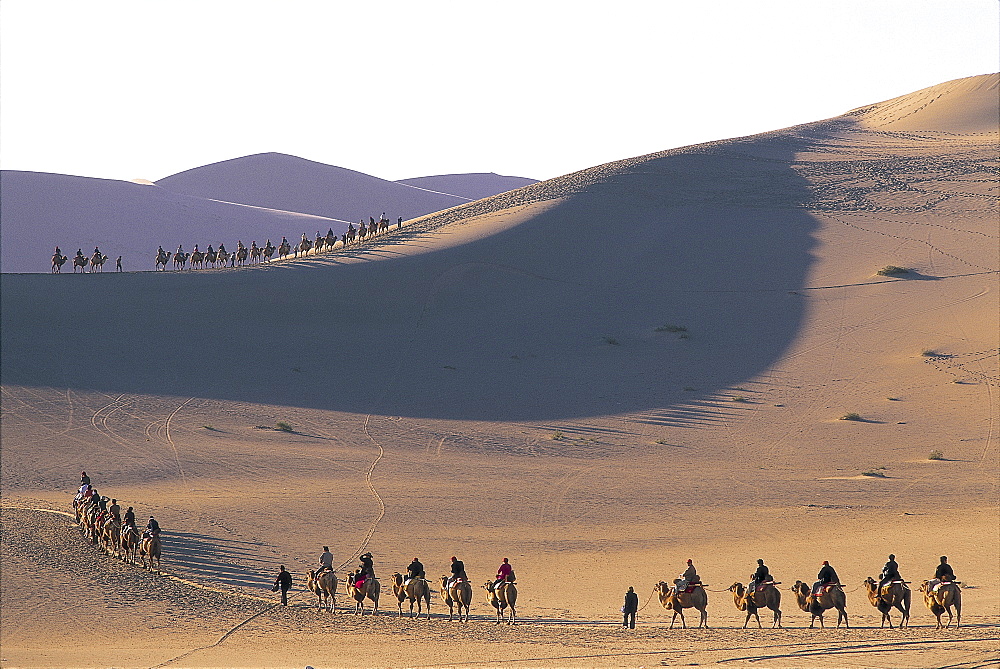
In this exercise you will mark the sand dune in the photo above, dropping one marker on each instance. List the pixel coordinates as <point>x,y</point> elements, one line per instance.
<point>598,376</point>
<point>472,186</point>
<point>126,219</point>
<point>279,181</point>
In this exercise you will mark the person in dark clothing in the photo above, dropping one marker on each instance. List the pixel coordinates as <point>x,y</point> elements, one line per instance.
<point>84,479</point>
<point>152,527</point>
<point>944,572</point>
<point>759,576</point>
<point>630,608</point>
<point>415,569</point>
<point>890,572</point>
<point>283,583</point>
<point>399,222</point>
<point>457,570</point>
<point>367,568</point>
<point>130,517</point>
<point>827,576</point>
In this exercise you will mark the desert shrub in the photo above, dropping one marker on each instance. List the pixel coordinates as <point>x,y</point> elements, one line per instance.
<point>671,328</point>
<point>892,270</point>
<point>283,426</point>
<point>558,435</point>
<point>928,353</point>
<point>935,455</point>
<point>739,398</point>
<point>877,473</point>
<point>851,416</point>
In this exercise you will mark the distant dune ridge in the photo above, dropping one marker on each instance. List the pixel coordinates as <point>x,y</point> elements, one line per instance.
<point>256,197</point>
<point>472,186</point>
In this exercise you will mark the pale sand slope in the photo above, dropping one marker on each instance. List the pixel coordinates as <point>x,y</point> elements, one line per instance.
<point>442,379</point>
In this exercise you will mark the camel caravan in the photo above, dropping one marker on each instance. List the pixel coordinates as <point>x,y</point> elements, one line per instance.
<point>116,533</point>
<point>256,255</point>
<point>242,255</point>
<point>942,594</point>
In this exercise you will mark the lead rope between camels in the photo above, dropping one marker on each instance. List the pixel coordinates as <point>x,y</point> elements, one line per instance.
<point>647,600</point>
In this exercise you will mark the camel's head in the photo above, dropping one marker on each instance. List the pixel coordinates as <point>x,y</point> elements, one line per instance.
<point>800,588</point>
<point>923,586</point>
<point>736,587</point>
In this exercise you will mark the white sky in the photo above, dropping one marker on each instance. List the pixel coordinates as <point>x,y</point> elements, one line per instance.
<point>404,88</point>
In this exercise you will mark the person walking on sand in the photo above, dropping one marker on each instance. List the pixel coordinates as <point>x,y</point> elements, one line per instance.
<point>630,608</point>
<point>283,583</point>
<point>118,264</point>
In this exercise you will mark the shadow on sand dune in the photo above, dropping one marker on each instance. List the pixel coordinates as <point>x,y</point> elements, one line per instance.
<point>670,273</point>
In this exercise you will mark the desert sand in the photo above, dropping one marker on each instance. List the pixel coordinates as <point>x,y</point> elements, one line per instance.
<point>598,376</point>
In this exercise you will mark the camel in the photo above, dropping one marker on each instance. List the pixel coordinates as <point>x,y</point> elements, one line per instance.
<point>254,252</point>
<point>834,598</point>
<point>211,257</point>
<point>162,258</point>
<point>268,251</point>
<point>894,594</point>
<point>331,239</point>
<point>224,258</point>
<point>180,259</point>
<point>81,262</point>
<point>941,600</point>
<point>320,242</point>
<point>241,255</point>
<point>197,259</point>
<point>457,596</point>
<point>111,533</point>
<point>369,589</point>
<point>324,587</point>
<point>150,547</point>
<point>58,260</point>
<point>769,597</point>
<point>677,602</point>
<point>97,262</point>
<point>501,597</point>
<point>417,590</point>
<point>303,247</point>
<point>129,543</point>
<point>284,249</point>
<point>350,235</point>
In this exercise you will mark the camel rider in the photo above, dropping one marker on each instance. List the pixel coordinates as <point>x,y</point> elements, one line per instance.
<point>890,572</point>
<point>367,568</point>
<point>827,576</point>
<point>115,511</point>
<point>325,560</point>
<point>689,577</point>
<point>84,479</point>
<point>415,570</point>
<point>180,250</point>
<point>209,251</point>
<point>761,575</point>
<point>79,253</point>
<point>97,251</point>
<point>504,573</point>
<point>457,571</point>
<point>58,252</point>
<point>329,233</point>
<point>222,248</point>
<point>152,528</point>
<point>129,518</point>
<point>944,572</point>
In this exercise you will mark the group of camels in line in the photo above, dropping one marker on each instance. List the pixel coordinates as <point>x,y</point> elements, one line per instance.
<point>263,254</point>
<point>895,595</point>
<point>116,538</point>
<point>456,595</point>
<point>80,261</point>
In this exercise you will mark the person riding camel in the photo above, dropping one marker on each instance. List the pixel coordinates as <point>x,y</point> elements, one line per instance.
<point>222,248</point>
<point>84,479</point>
<point>890,572</point>
<point>504,573</point>
<point>129,518</point>
<point>457,571</point>
<point>209,251</point>
<point>366,570</point>
<point>415,570</point>
<point>79,253</point>
<point>325,561</point>
<point>152,528</point>
<point>827,576</point>
<point>761,575</point>
<point>689,577</point>
<point>180,250</point>
<point>944,572</point>
<point>115,511</point>
<point>97,251</point>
